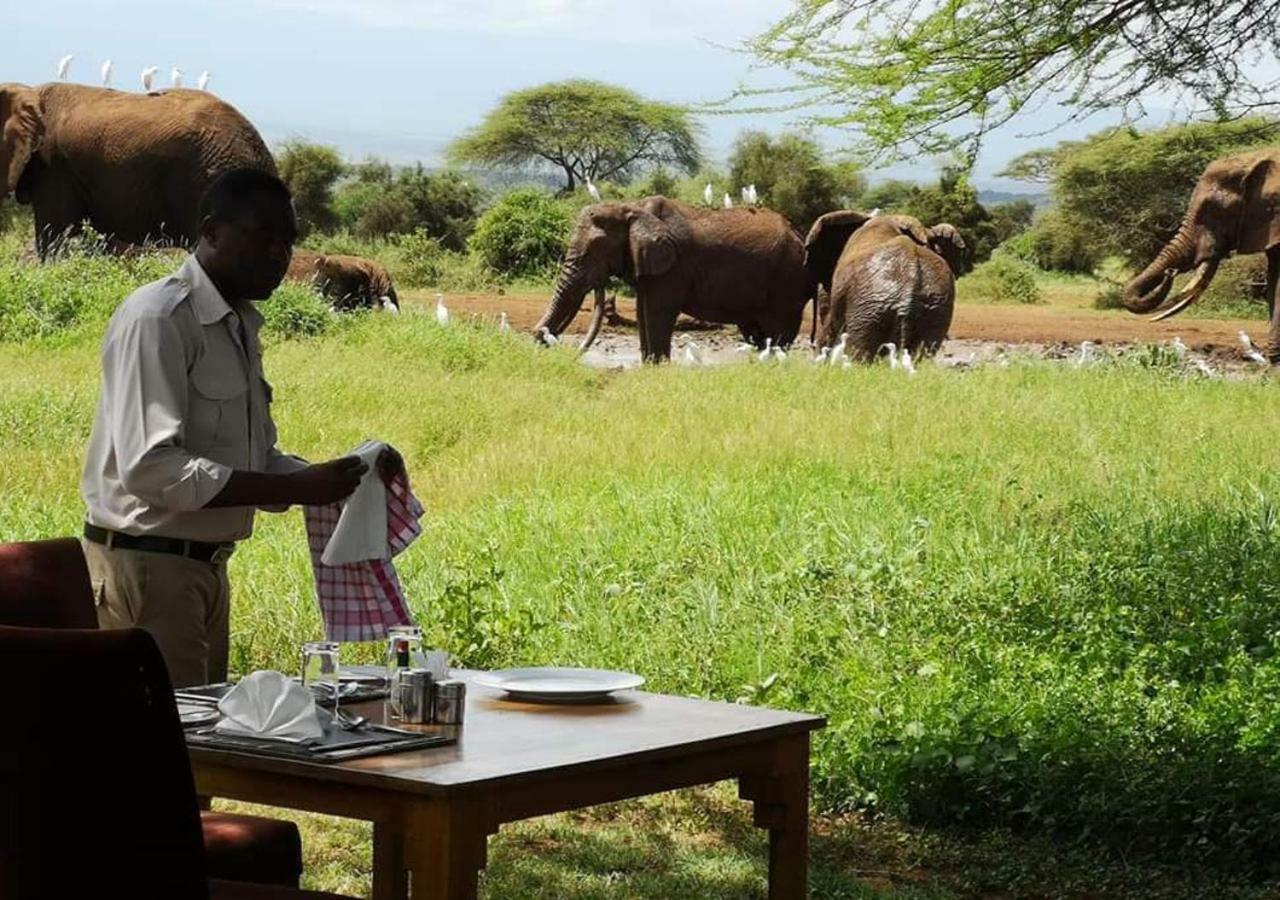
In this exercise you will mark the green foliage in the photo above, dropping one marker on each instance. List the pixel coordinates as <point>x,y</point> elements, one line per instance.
<point>938,75</point>
<point>791,176</point>
<point>584,129</point>
<point>523,234</point>
<point>1238,288</point>
<point>1002,279</point>
<point>953,199</point>
<point>311,171</point>
<point>1123,191</point>
<point>1057,242</point>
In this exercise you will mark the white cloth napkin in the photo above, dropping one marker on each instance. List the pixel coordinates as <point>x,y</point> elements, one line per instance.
<point>269,704</point>
<point>362,527</point>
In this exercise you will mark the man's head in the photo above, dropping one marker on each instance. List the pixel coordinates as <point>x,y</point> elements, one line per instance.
<point>247,230</point>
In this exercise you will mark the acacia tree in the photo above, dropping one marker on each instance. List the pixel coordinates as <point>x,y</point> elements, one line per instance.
<point>585,129</point>
<point>936,75</point>
<point>791,176</point>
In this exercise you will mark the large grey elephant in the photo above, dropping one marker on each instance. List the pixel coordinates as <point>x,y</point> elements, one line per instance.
<point>888,279</point>
<point>1235,208</point>
<point>133,166</point>
<point>741,267</point>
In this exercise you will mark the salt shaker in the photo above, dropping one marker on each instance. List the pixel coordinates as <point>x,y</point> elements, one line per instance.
<point>450,702</point>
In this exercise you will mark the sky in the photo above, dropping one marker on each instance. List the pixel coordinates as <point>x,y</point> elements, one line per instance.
<point>401,78</point>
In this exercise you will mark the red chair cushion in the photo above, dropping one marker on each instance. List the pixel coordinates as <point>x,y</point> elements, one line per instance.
<point>251,848</point>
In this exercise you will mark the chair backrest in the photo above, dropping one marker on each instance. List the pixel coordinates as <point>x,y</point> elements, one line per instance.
<point>45,584</point>
<point>96,793</point>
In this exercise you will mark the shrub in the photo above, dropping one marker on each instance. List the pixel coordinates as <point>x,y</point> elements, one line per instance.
<point>1003,279</point>
<point>523,234</point>
<point>1059,243</point>
<point>311,170</point>
<point>295,311</point>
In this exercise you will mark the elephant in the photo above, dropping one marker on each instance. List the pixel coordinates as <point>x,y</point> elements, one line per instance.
<point>1235,208</point>
<point>350,282</point>
<point>741,266</point>
<point>133,166</point>
<point>887,278</point>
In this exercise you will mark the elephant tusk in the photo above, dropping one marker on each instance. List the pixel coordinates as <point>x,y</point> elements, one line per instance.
<point>597,317</point>
<point>1191,293</point>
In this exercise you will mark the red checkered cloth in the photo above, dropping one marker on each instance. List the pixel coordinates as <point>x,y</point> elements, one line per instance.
<point>361,600</point>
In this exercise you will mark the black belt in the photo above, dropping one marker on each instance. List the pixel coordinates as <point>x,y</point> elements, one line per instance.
<point>150,543</point>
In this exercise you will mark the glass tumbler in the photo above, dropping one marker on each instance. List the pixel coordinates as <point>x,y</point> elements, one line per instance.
<point>320,669</point>
<point>404,652</point>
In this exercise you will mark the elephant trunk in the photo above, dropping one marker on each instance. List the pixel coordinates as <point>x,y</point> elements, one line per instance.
<point>1149,288</point>
<point>571,289</point>
<point>597,317</point>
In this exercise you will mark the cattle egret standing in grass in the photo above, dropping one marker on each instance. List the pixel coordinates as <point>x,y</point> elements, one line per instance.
<point>838,352</point>
<point>64,67</point>
<point>745,195</point>
<point>175,77</point>
<point>707,194</point>
<point>203,83</point>
<point>728,201</point>
<point>693,354</point>
<point>891,351</point>
<point>1179,348</point>
<point>503,325</point>
<point>752,197</point>
<point>821,356</point>
<point>442,311</point>
<point>593,191</point>
<point>107,68</point>
<point>1086,353</point>
<point>772,352</point>
<point>148,75</point>
<point>1251,353</point>
<point>544,336</point>
<point>1205,369</point>
<point>875,212</point>
<point>908,363</point>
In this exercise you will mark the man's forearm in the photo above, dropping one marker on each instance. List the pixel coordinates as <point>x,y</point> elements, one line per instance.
<point>256,489</point>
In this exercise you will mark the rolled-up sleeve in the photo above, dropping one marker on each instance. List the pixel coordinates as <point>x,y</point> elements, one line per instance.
<point>144,373</point>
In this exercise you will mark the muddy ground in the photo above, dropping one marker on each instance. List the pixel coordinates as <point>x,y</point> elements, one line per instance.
<point>978,333</point>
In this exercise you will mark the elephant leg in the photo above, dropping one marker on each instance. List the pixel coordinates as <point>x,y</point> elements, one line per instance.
<point>642,318</point>
<point>661,325</point>
<point>58,214</point>
<point>1273,305</point>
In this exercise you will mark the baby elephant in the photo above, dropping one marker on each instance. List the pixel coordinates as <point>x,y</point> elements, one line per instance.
<point>349,282</point>
<point>888,279</point>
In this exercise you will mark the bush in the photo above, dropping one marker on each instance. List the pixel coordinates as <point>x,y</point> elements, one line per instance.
<point>791,176</point>
<point>311,171</point>
<point>296,311</point>
<point>1002,279</point>
<point>378,204</point>
<point>1238,288</point>
<point>1058,243</point>
<point>523,234</point>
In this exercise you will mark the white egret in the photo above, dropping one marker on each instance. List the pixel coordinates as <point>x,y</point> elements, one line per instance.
<point>64,67</point>
<point>693,354</point>
<point>593,190</point>
<point>1179,348</point>
<point>1086,353</point>
<point>744,347</point>
<point>1204,369</point>
<point>838,352</point>
<point>148,75</point>
<point>1250,351</point>
<point>768,343</point>
<point>752,197</point>
<point>503,325</point>
<point>107,69</point>
<point>175,77</point>
<point>728,201</point>
<point>707,194</point>
<point>746,197</point>
<point>891,352</point>
<point>203,83</point>
<point>442,311</point>
<point>545,336</point>
<point>821,356</point>
<point>908,363</point>
<point>875,212</point>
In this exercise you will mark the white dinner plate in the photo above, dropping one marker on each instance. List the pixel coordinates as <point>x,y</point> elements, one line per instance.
<point>559,685</point>
<point>192,714</point>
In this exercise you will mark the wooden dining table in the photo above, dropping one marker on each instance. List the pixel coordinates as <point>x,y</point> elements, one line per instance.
<point>433,810</point>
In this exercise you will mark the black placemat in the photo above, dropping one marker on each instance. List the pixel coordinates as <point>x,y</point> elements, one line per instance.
<point>336,745</point>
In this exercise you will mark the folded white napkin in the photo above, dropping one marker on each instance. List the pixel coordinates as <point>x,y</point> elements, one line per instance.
<point>361,532</point>
<point>269,704</point>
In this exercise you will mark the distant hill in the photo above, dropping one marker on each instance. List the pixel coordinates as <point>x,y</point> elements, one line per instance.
<point>995,198</point>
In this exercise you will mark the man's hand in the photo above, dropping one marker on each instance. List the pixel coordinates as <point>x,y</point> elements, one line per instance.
<point>329,482</point>
<point>390,464</point>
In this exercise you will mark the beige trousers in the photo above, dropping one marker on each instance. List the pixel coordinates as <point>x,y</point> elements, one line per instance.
<point>183,603</point>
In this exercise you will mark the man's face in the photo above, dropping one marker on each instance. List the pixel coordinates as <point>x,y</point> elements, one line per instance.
<point>253,249</point>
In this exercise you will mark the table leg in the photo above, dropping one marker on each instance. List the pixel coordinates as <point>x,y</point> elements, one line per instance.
<point>390,876</point>
<point>781,803</point>
<point>446,846</point>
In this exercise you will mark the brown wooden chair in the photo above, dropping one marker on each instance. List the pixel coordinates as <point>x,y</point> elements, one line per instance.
<point>45,584</point>
<point>96,793</point>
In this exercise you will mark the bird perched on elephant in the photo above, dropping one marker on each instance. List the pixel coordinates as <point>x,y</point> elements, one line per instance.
<point>1235,208</point>
<point>888,280</point>
<point>133,166</point>
<point>349,282</point>
<point>741,267</point>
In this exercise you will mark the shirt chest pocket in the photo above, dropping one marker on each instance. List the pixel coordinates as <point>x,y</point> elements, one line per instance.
<point>218,410</point>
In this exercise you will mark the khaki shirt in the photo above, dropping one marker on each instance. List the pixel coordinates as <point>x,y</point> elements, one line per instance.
<point>183,404</point>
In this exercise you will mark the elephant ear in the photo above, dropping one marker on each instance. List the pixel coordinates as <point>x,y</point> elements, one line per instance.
<point>945,240</point>
<point>653,244</point>
<point>826,240</point>
<point>21,130</point>
<point>911,227</point>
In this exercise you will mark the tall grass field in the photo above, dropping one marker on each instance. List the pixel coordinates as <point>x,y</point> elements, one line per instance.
<point>1038,597</point>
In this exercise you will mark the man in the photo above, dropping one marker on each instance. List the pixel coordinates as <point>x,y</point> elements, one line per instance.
<point>184,448</point>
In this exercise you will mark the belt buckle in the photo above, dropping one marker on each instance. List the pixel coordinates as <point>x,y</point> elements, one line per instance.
<point>222,554</point>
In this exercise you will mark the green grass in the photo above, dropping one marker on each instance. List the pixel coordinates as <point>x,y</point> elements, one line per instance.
<point>1039,604</point>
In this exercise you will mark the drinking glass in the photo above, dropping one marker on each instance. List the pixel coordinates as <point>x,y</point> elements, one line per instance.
<point>320,669</point>
<point>404,650</point>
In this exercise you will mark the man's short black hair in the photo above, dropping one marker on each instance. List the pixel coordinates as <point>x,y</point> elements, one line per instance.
<point>236,191</point>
